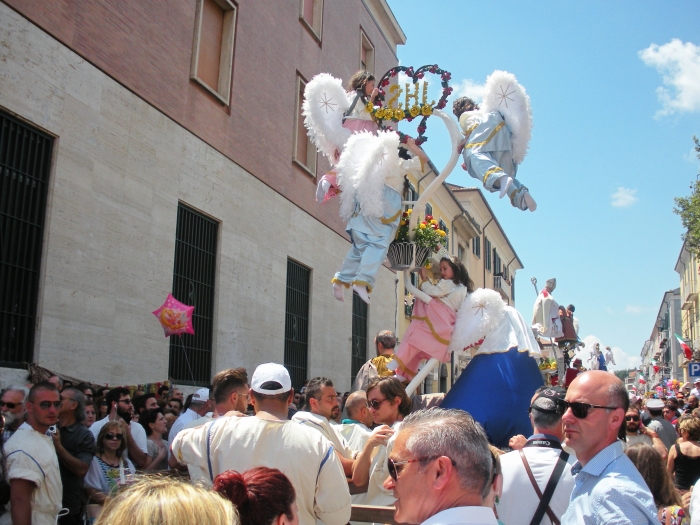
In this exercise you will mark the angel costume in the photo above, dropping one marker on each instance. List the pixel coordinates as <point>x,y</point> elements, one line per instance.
<point>371,177</point>
<point>545,314</point>
<point>503,361</point>
<point>497,136</point>
<point>431,326</point>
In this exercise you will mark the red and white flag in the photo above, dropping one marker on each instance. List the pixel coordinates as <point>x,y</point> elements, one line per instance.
<point>686,349</point>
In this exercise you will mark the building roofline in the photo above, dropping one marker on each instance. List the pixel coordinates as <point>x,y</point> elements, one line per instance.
<point>678,261</point>
<point>456,188</point>
<point>391,24</point>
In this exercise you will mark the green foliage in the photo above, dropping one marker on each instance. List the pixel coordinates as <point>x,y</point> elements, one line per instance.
<point>689,210</point>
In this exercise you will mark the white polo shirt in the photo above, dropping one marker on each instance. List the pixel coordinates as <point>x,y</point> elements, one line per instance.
<point>331,432</point>
<point>302,454</point>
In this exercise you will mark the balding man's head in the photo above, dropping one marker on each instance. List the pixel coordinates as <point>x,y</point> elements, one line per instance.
<point>356,407</point>
<point>597,402</point>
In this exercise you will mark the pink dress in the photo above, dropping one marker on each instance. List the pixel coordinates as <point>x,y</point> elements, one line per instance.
<point>431,327</point>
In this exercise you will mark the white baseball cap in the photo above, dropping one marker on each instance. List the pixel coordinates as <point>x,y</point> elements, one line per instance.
<point>201,395</point>
<point>271,379</point>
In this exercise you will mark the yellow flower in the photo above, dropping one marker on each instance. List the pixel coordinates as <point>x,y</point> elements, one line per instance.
<point>426,110</point>
<point>442,233</point>
<point>428,265</point>
<point>398,114</point>
<point>409,211</point>
<point>379,114</point>
<point>422,226</point>
<point>403,223</point>
<point>433,221</point>
<point>369,106</point>
<point>414,111</point>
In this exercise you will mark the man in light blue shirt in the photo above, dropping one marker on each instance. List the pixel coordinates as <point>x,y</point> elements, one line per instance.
<point>608,488</point>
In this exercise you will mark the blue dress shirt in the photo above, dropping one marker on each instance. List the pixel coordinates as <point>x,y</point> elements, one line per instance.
<point>609,490</point>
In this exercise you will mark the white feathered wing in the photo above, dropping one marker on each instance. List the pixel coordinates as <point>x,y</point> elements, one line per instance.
<point>325,102</point>
<point>479,313</point>
<point>503,93</point>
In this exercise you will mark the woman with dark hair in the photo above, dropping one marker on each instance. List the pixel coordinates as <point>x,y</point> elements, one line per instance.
<point>154,423</point>
<point>109,470</point>
<point>434,315</point>
<point>262,496</point>
<point>651,466</point>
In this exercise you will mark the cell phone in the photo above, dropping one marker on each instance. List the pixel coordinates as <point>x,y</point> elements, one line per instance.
<point>52,429</point>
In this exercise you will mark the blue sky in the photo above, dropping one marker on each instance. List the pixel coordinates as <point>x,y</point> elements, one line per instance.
<point>611,143</point>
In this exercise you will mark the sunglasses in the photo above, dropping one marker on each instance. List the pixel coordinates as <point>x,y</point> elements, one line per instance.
<point>394,472</point>
<point>45,405</point>
<point>580,410</point>
<point>632,418</point>
<point>11,406</point>
<point>375,404</point>
<point>112,436</point>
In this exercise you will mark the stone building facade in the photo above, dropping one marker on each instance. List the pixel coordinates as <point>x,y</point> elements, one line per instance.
<point>142,133</point>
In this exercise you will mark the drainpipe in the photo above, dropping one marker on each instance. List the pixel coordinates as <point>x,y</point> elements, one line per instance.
<point>484,243</point>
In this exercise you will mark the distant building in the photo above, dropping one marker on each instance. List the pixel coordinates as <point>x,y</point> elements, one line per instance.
<point>662,356</point>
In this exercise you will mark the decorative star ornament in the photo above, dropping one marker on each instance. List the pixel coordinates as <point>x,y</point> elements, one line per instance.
<point>504,95</point>
<point>326,103</point>
<point>479,308</point>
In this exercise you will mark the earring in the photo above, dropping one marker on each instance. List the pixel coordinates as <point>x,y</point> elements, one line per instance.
<point>497,499</point>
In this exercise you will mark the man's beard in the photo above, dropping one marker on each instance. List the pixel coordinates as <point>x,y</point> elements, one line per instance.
<point>10,418</point>
<point>633,428</point>
<point>125,415</point>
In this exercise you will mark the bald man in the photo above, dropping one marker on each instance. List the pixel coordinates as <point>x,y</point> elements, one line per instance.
<point>608,488</point>
<point>356,429</point>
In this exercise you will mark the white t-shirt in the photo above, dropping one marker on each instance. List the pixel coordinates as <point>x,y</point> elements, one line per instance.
<point>137,432</point>
<point>302,454</point>
<point>519,501</point>
<point>356,434</point>
<point>330,432</point>
<point>379,472</point>
<point>185,418</point>
<point>31,455</point>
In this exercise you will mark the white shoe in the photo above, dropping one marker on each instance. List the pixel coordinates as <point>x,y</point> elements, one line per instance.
<point>504,183</point>
<point>529,201</point>
<point>362,292</point>
<point>338,292</point>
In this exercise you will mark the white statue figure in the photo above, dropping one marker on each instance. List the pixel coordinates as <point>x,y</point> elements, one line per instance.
<point>545,315</point>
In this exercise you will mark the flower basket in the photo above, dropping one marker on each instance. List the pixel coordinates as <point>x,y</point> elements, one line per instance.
<point>401,254</point>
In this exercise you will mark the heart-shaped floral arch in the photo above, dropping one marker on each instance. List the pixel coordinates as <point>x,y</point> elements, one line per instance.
<point>422,110</point>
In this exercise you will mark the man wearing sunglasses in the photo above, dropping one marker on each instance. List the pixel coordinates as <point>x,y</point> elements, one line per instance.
<point>13,409</point>
<point>638,433</point>
<point>32,464</point>
<point>608,487</point>
<point>440,469</point>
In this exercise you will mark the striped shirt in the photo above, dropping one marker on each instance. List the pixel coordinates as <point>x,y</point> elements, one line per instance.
<point>609,490</point>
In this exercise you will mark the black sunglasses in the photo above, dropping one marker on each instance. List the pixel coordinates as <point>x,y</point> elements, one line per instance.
<point>580,410</point>
<point>632,418</point>
<point>11,406</point>
<point>394,472</point>
<point>375,404</point>
<point>45,405</point>
<point>111,436</point>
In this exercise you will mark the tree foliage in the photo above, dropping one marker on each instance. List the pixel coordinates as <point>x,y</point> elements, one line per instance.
<point>689,210</point>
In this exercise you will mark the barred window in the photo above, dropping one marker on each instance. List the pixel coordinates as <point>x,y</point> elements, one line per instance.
<point>296,325</point>
<point>194,276</point>
<point>25,159</point>
<point>360,310</point>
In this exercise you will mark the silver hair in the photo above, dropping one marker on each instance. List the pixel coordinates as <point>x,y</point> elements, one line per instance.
<point>79,398</point>
<point>453,433</point>
<point>19,388</point>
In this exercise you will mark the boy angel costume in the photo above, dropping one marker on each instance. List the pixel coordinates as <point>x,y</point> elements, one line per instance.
<point>497,136</point>
<point>370,175</point>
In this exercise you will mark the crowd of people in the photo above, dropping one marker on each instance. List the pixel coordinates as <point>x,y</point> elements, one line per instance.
<point>255,451</point>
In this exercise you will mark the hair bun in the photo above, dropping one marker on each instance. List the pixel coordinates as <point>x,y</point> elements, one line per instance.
<point>231,485</point>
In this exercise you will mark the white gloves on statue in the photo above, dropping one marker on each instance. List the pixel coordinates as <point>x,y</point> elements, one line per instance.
<point>504,183</point>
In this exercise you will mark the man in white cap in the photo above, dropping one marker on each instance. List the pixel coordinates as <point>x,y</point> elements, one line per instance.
<point>696,387</point>
<point>659,425</point>
<point>270,440</point>
<point>198,408</point>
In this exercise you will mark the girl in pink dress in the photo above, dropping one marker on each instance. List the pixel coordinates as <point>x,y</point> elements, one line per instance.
<point>433,320</point>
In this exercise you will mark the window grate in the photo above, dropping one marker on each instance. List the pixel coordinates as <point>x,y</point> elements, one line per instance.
<point>193,284</point>
<point>296,326</point>
<point>359,334</point>
<point>25,158</point>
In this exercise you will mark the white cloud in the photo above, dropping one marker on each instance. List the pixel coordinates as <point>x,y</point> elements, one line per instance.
<point>679,63</point>
<point>634,309</point>
<point>624,197</point>
<point>622,359</point>
<point>468,88</point>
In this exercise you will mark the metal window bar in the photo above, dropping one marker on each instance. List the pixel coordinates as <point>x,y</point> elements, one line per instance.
<point>296,325</point>
<point>193,284</point>
<point>359,334</point>
<point>25,159</point>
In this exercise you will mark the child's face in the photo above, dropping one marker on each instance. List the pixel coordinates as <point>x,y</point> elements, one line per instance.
<point>446,270</point>
<point>369,87</point>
